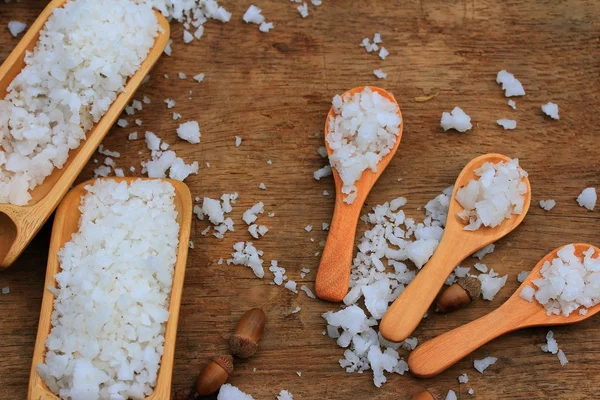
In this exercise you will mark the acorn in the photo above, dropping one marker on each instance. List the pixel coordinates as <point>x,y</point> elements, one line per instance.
<point>244,341</point>
<point>429,394</point>
<point>458,295</point>
<point>214,375</point>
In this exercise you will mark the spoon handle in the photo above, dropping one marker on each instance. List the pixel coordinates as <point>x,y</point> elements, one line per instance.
<point>405,314</point>
<point>440,353</point>
<point>333,275</point>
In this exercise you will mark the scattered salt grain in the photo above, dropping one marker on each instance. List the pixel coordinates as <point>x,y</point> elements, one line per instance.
<point>510,85</point>
<point>16,27</point>
<point>189,131</point>
<point>191,244</point>
<point>456,119</point>
<point>551,110</point>
<point>308,228</point>
<point>483,364</point>
<point>507,124</point>
<point>122,123</point>
<point>512,104</point>
<point>5,290</point>
<point>323,172</point>
<point>588,198</point>
<point>521,276</point>
<point>325,193</point>
<point>230,392</point>
<point>199,78</point>
<point>247,255</point>
<point>251,214</point>
<point>484,252</point>
<point>464,378</point>
<point>324,226</point>
<point>138,122</point>
<point>119,172</point>
<point>551,345</point>
<point>481,267</point>
<point>379,73</point>
<point>562,358</point>
<point>285,395</point>
<point>491,284</point>
<point>181,75</point>
<point>527,293</point>
<point>451,395</point>
<point>291,286</point>
<point>308,292</point>
<point>471,391</point>
<point>295,311</point>
<point>176,116</point>
<point>303,10</point>
<point>238,141</point>
<point>383,53</point>
<point>547,204</point>
<point>266,27</point>
<point>257,230</point>
<point>262,186</point>
<point>187,37</point>
<point>170,103</point>
<point>253,15</point>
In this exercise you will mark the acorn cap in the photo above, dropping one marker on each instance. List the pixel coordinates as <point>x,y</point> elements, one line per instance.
<point>226,362</point>
<point>435,393</point>
<point>242,346</point>
<point>471,285</point>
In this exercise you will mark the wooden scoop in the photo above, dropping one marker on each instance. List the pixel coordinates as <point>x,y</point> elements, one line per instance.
<point>407,311</point>
<point>436,355</point>
<point>333,275</point>
<point>19,224</point>
<point>66,222</point>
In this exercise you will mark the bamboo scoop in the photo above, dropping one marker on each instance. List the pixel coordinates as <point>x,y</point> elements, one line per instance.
<point>407,311</point>
<point>438,354</point>
<point>66,222</point>
<point>333,275</point>
<point>19,224</point>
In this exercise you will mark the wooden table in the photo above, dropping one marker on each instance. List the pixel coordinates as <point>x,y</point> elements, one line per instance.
<point>274,90</point>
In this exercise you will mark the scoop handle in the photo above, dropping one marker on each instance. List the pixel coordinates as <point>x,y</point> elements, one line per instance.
<point>438,354</point>
<point>333,275</point>
<point>405,314</point>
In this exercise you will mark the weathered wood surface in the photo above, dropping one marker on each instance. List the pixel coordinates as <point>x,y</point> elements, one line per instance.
<point>274,90</point>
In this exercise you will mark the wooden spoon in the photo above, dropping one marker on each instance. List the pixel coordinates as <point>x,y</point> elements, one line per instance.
<point>438,354</point>
<point>333,275</point>
<point>407,311</point>
<point>66,222</point>
<point>19,224</point>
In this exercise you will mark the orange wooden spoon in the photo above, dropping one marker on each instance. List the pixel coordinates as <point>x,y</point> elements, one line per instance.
<point>436,355</point>
<point>333,275</point>
<point>407,311</point>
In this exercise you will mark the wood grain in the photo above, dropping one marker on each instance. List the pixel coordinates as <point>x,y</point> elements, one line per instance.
<point>407,311</point>
<point>274,91</point>
<point>333,275</point>
<point>436,355</point>
<point>21,223</point>
<point>66,223</point>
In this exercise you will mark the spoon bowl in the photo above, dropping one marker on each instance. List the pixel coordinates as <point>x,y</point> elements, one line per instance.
<point>27,220</point>
<point>456,244</point>
<point>333,275</point>
<point>66,222</point>
<point>438,354</point>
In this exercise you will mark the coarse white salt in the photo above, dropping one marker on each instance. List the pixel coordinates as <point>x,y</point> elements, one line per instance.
<point>170,103</point>
<point>521,276</point>
<point>181,75</point>
<point>251,214</point>
<point>187,37</point>
<point>551,110</point>
<point>324,226</point>
<point>238,141</point>
<point>138,122</point>
<point>527,293</point>
<point>547,204</point>
<point>303,10</point>
<point>464,378</point>
<point>176,116</point>
<point>461,272</point>
<point>512,104</point>
<point>491,284</point>
<point>230,392</point>
<point>6,290</point>
<point>191,244</point>
<point>383,53</point>
<point>199,78</point>
<point>119,172</point>
<point>379,73</point>
<point>322,173</point>
<point>295,311</point>
<point>262,186</point>
<point>113,292</point>
<point>498,193</point>
<point>253,15</point>
<point>551,345</point>
<point>278,273</point>
<point>507,124</point>
<point>484,251</point>
<point>308,292</point>
<point>325,193</point>
<point>451,395</point>
<point>471,391</point>
<point>291,286</point>
<point>146,100</point>
<point>16,27</point>
<point>70,79</point>
<point>588,198</point>
<point>363,129</point>
<point>322,151</point>
<point>456,119</point>
<point>562,358</point>
<point>569,282</point>
<point>308,228</point>
<point>163,161</point>
<point>377,38</point>
<point>189,131</point>
<point>257,231</point>
<point>510,85</point>
<point>285,395</point>
<point>266,27</point>
<point>122,123</point>
<point>481,267</point>
<point>247,255</point>
<point>216,211</point>
<point>483,364</point>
